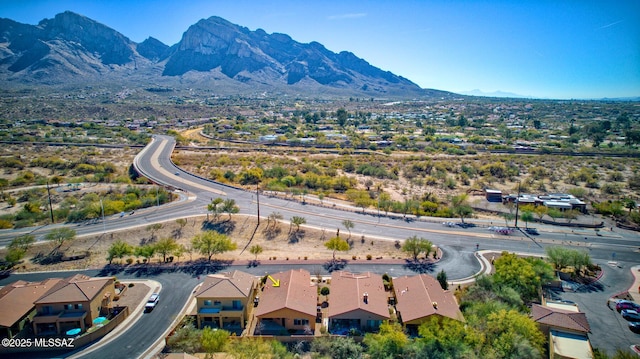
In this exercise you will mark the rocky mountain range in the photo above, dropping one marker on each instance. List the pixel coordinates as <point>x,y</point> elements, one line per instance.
<point>72,48</point>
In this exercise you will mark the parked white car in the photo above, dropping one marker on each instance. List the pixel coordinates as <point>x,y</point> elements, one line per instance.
<point>152,302</point>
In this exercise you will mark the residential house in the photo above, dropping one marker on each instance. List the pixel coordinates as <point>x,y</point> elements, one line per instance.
<point>567,328</point>
<point>358,302</point>
<point>224,299</point>
<point>73,303</point>
<point>287,304</point>
<point>420,297</point>
<point>16,304</point>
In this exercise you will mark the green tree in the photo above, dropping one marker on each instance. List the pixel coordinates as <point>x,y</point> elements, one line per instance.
<point>630,204</point>
<point>525,275</point>
<point>119,249</point>
<point>442,279</point>
<point>229,206</point>
<point>541,211</point>
<point>554,213</point>
<point>342,116</point>
<point>256,249</point>
<point>214,341</point>
<point>60,235</point>
<point>23,242</point>
<point>166,246</point>
<point>511,334</point>
<point>185,339</point>
<point>451,338</point>
<point>359,198</point>
<point>348,225</point>
<point>508,217</point>
<point>298,221</point>
<point>215,207</point>
<point>209,243</point>
<point>414,246</point>
<point>337,244</point>
<point>461,207</point>
<point>527,217</point>
<point>146,251</point>
<point>388,343</point>
<point>14,255</point>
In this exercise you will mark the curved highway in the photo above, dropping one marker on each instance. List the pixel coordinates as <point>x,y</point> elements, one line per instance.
<point>154,162</point>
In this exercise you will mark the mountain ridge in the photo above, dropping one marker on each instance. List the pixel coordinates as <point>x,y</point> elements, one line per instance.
<point>72,48</point>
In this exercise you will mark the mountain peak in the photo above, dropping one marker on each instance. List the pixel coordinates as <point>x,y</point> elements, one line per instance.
<point>213,50</point>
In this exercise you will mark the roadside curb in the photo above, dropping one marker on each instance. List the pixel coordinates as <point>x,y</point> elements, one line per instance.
<point>159,344</point>
<point>134,315</point>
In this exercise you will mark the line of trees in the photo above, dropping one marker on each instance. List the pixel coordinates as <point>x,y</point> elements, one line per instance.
<point>207,243</point>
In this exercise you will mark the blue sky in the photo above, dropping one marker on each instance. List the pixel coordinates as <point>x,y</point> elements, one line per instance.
<point>540,48</point>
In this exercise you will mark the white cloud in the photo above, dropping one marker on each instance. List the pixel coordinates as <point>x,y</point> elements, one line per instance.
<point>612,24</point>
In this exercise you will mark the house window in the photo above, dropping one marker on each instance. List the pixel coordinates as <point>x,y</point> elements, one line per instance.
<point>217,302</point>
<point>301,322</point>
<point>47,310</point>
<point>78,306</point>
<point>236,304</point>
<point>68,306</point>
<point>207,302</point>
<point>373,324</point>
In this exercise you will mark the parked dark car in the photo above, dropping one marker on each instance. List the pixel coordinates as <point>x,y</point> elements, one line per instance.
<point>627,304</point>
<point>635,327</point>
<point>630,315</point>
<point>532,231</point>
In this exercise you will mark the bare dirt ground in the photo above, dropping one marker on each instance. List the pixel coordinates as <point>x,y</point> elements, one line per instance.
<point>279,243</point>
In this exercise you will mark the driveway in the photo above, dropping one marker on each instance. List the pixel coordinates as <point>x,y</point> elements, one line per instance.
<point>609,331</point>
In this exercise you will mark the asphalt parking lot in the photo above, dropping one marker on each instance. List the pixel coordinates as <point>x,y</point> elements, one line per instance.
<point>609,331</point>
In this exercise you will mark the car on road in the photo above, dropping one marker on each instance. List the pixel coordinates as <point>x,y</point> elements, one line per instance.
<point>532,231</point>
<point>630,315</point>
<point>152,302</point>
<point>627,304</point>
<point>177,173</point>
<point>465,225</point>
<point>635,327</point>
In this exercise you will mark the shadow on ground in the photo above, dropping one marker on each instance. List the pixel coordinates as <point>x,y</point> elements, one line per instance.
<point>419,265</point>
<point>195,268</point>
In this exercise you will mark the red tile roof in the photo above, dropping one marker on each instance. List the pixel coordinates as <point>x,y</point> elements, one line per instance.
<point>560,319</point>
<point>294,293</point>
<point>16,299</point>
<point>421,296</point>
<point>348,291</point>
<point>236,284</point>
<point>77,288</point>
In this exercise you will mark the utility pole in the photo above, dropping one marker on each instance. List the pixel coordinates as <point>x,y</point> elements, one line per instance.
<point>50,206</point>
<point>258,200</point>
